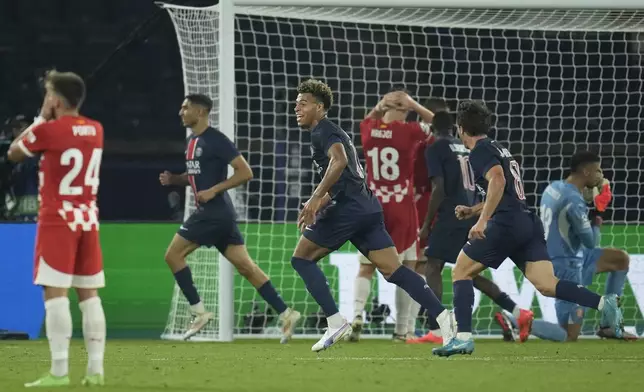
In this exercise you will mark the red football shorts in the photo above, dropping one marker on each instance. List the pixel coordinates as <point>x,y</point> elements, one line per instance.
<point>66,258</point>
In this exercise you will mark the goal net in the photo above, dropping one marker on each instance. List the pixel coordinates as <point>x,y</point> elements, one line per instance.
<point>558,81</point>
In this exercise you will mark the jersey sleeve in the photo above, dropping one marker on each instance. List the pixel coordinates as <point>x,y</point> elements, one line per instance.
<point>36,140</point>
<point>577,215</point>
<point>434,160</point>
<point>482,159</point>
<point>365,127</point>
<point>417,131</point>
<point>328,139</point>
<point>224,147</point>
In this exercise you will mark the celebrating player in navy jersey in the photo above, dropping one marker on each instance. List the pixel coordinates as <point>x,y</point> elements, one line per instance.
<point>342,208</point>
<point>214,223</point>
<point>453,185</point>
<point>505,228</point>
<point>572,241</point>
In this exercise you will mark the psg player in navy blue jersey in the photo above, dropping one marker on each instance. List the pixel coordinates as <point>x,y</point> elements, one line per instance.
<point>208,155</point>
<point>453,184</point>
<point>341,209</point>
<point>505,228</point>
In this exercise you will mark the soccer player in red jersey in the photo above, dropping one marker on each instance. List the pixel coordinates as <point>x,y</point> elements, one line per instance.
<point>68,252</point>
<point>388,142</point>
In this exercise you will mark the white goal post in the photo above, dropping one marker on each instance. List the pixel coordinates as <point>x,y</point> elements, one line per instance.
<point>559,75</point>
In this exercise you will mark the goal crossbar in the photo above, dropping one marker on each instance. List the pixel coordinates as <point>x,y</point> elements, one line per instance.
<point>519,18</point>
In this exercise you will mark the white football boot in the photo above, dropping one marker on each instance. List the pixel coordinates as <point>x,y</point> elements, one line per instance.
<point>332,336</point>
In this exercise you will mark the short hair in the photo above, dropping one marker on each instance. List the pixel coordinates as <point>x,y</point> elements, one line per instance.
<point>201,100</point>
<point>581,159</point>
<point>474,117</point>
<point>320,90</point>
<point>442,122</point>
<point>68,85</point>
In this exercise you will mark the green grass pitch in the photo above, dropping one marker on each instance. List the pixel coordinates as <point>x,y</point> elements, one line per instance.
<point>265,366</point>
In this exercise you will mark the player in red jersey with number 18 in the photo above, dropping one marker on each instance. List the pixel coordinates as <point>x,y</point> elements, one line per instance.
<point>388,142</point>
<point>68,253</point>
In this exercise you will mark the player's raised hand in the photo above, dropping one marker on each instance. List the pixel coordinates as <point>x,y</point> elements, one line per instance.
<point>600,195</point>
<point>604,196</point>
<point>407,102</point>
<point>463,212</point>
<point>394,100</point>
<point>478,230</point>
<point>47,110</point>
<point>165,178</point>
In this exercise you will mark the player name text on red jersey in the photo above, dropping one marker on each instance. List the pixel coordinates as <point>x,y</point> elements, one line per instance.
<point>382,133</point>
<point>84,130</point>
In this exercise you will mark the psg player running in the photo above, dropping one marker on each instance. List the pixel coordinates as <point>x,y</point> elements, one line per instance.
<point>208,155</point>
<point>388,142</point>
<point>68,251</point>
<point>342,208</point>
<point>505,228</point>
<point>452,185</point>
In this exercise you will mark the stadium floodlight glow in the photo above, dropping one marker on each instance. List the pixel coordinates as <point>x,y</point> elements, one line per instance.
<point>558,74</point>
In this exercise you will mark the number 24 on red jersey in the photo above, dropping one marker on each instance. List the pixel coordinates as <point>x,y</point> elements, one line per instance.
<point>71,151</point>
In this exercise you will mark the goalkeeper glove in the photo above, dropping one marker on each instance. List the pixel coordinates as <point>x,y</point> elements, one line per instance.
<point>603,197</point>
<point>600,196</point>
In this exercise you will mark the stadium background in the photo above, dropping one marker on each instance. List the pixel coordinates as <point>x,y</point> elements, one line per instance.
<point>127,51</point>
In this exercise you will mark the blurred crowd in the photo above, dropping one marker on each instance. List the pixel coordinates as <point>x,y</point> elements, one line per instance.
<point>18,182</point>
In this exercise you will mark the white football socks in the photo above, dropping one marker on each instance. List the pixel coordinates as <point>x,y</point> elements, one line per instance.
<point>464,335</point>
<point>94,333</point>
<point>198,308</point>
<point>403,307</point>
<point>516,312</point>
<point>58,323</point>
<point>335,321</point>
<point>361,291</point>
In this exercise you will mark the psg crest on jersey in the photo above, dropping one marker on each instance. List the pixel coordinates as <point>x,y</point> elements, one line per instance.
<point>198,152</point>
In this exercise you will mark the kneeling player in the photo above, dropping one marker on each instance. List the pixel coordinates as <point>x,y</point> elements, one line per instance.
<point>564,216</point>
<point>388,142</point>
<point>452,185</point>
<point>506,228</point>
<point>214,223</point>
<point>68,251</point>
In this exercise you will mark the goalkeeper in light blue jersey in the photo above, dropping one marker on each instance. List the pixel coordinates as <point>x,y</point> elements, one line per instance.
<point>573,243</point>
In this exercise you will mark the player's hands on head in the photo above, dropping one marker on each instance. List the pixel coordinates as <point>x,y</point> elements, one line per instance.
<point>463,212</point>
<point>478,230</point>
<point>397,100</point>
<point>165,178</point>
<point>206,196</point>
